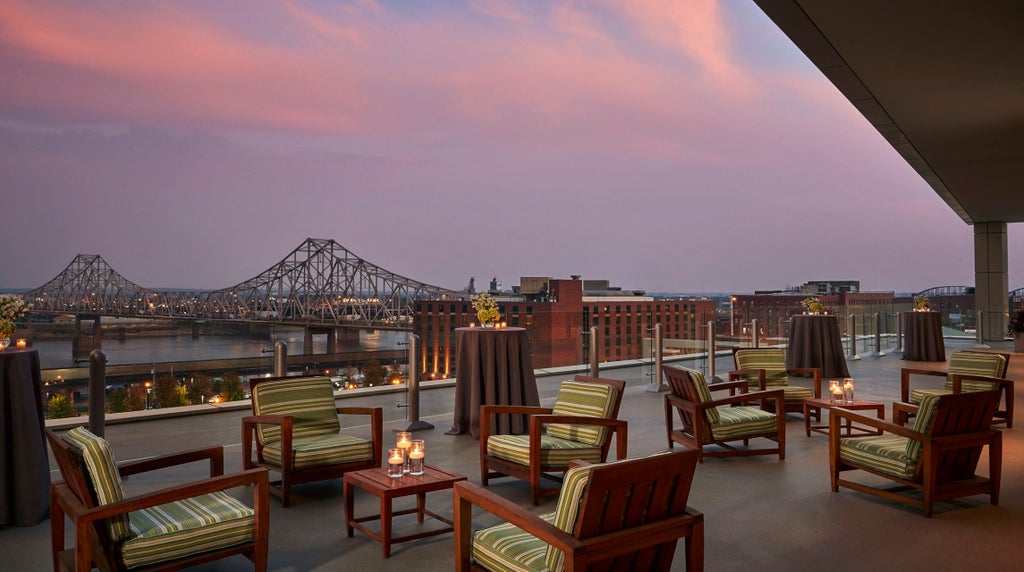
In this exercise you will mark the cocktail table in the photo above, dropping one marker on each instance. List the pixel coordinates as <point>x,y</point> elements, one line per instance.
<point>377,482</point>
<point>818,404</point>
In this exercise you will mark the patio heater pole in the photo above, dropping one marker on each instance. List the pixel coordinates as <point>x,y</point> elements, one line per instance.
<point>981,332</point>
<point>97,392</point>
<point>593,351</point>
<point>655,384</point>
<point>711,349</point>
<point>280,358</point>
<point>755,333</point>
<point>413,396</point>
<point>852,319</point>
<point>878,335</point>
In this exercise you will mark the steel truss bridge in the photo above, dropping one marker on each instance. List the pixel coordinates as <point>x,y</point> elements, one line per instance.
<point>320,283</point>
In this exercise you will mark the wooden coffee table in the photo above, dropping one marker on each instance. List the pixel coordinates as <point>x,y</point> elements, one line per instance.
<point>818,404</point>
<point>377,482</point>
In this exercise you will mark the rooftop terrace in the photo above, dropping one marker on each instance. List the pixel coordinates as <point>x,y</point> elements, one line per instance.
<point>759,511</point>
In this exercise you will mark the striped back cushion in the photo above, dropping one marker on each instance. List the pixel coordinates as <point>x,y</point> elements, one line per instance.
<point>104,478</point>
<point>711,413</point>
<point>975,363</point>
<point>923,424</point>
<point>771,360</point>
<point>308,400</point>
<point>567,511</point>
<point>585,400</point>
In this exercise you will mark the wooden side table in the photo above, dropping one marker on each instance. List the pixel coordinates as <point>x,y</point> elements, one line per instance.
<point>377,482</point>
<point>818,404</point>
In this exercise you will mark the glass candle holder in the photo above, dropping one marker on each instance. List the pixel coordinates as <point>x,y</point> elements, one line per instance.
<point>404,442</point>
<point>21,344</point>
<point>416,457</point>
<point>396,463</point>
<point>835,391</point>
<point>848,390</point>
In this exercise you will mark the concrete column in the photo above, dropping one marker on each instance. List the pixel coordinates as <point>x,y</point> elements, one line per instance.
<point>991,283</point>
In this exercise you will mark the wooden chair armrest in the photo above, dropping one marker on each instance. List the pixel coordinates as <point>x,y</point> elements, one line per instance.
<point>215,455</point>
<point>258,477</point>
<point>731,385</point>
<point>256,419</point>
<point>620,426</point>
<point>513,409</point>
<point>905,374</point>
<point>468,494</point>
<point>836,414</point>
<point>959,378</point>
<point>359,410</point>
<point>747,398</point>
<point>736,373</point>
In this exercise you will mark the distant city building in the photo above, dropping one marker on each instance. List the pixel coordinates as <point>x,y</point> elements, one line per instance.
<point>558,314</point>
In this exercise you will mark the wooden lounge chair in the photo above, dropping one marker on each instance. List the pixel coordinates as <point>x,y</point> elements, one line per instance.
<point>168,529</point>
<point>968,371</point>
<point>625,515</point>
<point>937,457</point>
<point>578,427</point>
<point>708,421</point>
<point>295,431</point>
<point>765,368</point>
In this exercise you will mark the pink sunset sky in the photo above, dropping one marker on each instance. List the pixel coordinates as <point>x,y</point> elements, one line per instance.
<point>667,146</point>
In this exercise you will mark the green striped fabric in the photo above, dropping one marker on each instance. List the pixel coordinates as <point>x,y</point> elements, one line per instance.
<point>771,360</point>
<point>554,452</point>
<point>585,400</point>
<point>567,511</point>
<point>885,453</point>
<point>739,421</point>
<point>104,478</point>
<point>922,424</point>
<point>317,450</point>
<point>796,393</point>
<point>916,395</point>
<point>507,547</point>
<point>975,363</point>
<point>186,527</point>
<point>711,413</point>
<point>308,400</point>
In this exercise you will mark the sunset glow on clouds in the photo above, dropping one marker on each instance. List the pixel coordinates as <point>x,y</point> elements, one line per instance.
<point>611,138</point>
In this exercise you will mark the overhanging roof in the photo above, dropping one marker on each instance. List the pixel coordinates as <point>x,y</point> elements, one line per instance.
<point>943,82</point>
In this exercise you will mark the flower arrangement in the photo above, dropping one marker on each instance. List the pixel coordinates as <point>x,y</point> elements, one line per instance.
<point>921,302</point>
<point>486,308</point>
<point>11,308</point>
<point>812,304</point>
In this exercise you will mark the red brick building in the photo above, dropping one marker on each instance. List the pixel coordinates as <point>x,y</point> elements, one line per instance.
<point>557,315</point>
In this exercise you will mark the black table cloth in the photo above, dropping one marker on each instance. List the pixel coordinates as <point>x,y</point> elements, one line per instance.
<point>814,341</point>
<point>493,368</point>
<point>24,468</point>
<point>922,336</point>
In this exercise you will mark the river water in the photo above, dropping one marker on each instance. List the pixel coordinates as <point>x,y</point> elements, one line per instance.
<point>166,348</point>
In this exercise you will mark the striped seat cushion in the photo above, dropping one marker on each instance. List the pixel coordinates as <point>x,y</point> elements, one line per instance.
<point>104,478</point>
<point>308,400</point>
<point>585,400</point>
<point>884,453</point>
<point>771,360</point>
<point>567,511</point>
<point>507,547</point>
<point>740,421</point>
<point>190,526</point>
<point>554,452</point>
<point>916,395</point>
<point>318,450</point>
<point>796,393</point>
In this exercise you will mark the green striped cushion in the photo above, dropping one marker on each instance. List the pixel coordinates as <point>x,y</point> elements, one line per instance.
<point>771,360</point>
<point>506,547</point>
<point>308,400</point>
<point>739,421</point>
<point>711,413</point>
<point>554,452</point>
<point>885,453</point>
<point>796,393</point>
<point>104,478</point>
<point>923,424</point>
<point>585,400</point>
<point>317,450</point>
<point>916,395</point>
<point>567,511</point>
<point>975,363</point>
<point>186,527</point>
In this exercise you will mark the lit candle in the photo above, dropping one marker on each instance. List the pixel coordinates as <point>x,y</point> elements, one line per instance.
<point>404,440</point>
<point>416,454</point>
<point>21,343</point>
<point>396,462</point>
<point>472,324</point>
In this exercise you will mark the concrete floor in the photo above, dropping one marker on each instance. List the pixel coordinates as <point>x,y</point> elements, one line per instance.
<point>759,512</point>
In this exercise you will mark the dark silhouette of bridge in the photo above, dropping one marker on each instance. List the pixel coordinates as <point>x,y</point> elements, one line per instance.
<point>319,284</point>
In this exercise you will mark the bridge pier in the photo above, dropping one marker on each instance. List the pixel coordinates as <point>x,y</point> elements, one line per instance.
<point>83,344</point>
<point>337,338</point>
